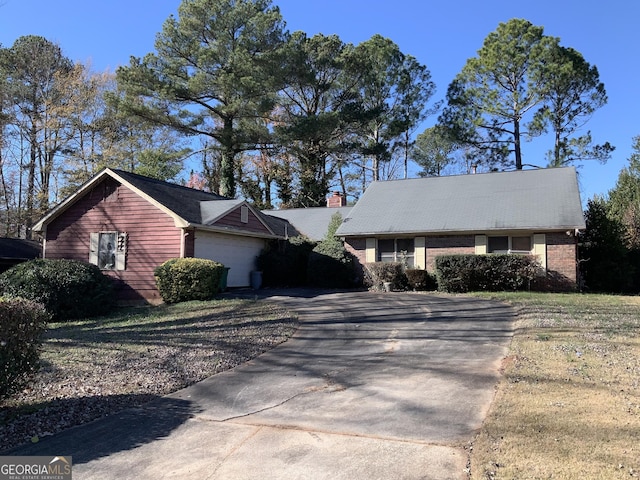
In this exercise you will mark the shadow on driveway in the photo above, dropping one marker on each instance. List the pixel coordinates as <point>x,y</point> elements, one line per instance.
<point>122,431</point>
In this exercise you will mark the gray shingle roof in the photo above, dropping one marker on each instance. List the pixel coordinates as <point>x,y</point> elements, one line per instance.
<point>192,206</point>
<point>19,249</point>
<point>545,199</point>
<point>311,222</point>
<point>183,201</point>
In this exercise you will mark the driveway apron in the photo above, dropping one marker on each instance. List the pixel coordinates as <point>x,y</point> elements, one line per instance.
<point>371,386</point>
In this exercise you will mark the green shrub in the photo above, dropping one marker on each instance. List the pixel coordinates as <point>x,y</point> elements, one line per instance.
<point>182,279</point>
<point>378,273</point>
<point>467,273</point>
<point>330,266</point>
<point>284,262</point>
<point>21,325</point>
<point>68,289</point>
<point>420,280</point>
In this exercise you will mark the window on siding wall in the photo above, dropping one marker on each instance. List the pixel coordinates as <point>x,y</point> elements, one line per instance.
<point>509,244</point>
<point>108,250</point>
<point>397,250</point>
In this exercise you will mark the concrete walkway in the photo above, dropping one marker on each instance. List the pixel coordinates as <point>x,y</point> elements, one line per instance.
<point>372,386</point>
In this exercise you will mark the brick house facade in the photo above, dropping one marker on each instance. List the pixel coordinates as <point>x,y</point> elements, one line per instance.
<point>530,212</point>
<point>558,256</point>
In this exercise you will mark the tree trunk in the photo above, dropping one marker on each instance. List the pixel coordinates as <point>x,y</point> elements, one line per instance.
<point>376,168</point>
<point>556,150</point>
<point>227,162</point>
<point>31,180</point>
<point>516,143</point>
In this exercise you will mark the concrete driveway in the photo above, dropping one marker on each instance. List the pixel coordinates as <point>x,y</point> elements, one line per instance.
<point>372,386</point>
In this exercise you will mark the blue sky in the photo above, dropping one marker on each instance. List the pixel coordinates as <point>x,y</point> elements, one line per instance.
<point>441,35</point>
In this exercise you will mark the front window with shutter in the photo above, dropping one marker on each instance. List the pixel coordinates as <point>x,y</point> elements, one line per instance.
<point>108,250</point>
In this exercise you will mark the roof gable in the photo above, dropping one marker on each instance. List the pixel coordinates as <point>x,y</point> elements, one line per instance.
<point>212,210</point>
<point>187,206</point>
<point>545,199</point>
<point>182,201</point>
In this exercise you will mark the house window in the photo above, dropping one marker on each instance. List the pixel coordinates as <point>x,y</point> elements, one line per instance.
<point>508,244</point>
<point>244,214</point>
<point>108,250</point>
<point>397,250</point>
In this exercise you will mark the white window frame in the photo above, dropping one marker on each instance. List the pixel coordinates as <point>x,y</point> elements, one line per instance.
<point>397,255</point>
<point>510,249</point>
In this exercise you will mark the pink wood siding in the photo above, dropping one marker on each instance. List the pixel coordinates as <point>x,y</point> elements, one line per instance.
<point>152,236</point>
<point>232,219</point>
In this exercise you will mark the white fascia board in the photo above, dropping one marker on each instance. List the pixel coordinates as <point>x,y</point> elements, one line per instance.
<point>232,231</point>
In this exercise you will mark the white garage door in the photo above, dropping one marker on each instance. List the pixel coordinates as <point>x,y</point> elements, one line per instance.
<point>237,253</point>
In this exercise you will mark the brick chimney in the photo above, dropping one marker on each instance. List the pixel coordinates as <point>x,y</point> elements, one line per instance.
<point>336,200</point>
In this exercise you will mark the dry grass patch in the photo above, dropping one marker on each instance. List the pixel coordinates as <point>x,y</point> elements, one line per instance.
<point>92,368</point>
<point>569,403</point>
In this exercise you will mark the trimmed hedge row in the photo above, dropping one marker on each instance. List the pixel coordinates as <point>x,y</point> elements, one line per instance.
<point>22,323</point>
<point>68,289</point>
<point>458,274</point>
<point>467,273</point>
<point>183,279</point>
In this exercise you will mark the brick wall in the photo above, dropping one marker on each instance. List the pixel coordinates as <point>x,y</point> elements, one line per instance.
<point>358,248</point>
<point>561,260</point>
<point>561,255</point>
<point>448,245</point>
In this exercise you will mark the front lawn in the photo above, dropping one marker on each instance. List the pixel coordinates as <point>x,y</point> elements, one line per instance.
<point>92,368</point>
<point>568,405</point>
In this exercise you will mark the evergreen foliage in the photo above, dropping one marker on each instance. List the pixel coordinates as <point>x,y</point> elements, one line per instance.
<point>183,279</point>
<point>520,84</point>
<point>624,199</point>
<point>330,264</point>
<point>419,280</point>
<point>22,323</point>
<point>468,273</point>
<point>284,262</point>
<point>68,289</point>
<point>215,73</point>
<point>602,252</point>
